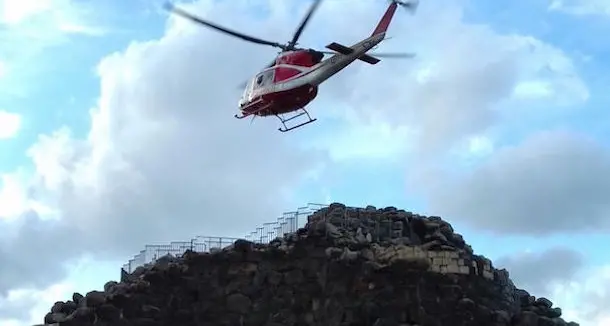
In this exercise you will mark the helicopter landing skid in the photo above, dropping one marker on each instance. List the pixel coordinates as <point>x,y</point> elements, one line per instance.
<point>296,114</point>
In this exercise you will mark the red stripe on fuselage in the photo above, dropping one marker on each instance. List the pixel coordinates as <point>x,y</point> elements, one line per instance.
<point>282,102</point>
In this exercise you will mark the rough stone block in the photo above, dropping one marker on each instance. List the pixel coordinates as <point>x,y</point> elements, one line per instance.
<point>488,275</point>
<point>453,268</point>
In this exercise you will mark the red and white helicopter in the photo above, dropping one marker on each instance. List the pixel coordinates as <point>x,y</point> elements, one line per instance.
<point>291,81</point>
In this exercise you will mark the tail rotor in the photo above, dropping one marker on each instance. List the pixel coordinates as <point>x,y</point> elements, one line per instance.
<point>410,5</point>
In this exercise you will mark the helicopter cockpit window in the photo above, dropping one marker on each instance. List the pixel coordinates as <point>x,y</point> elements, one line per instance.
<point>264,79</point>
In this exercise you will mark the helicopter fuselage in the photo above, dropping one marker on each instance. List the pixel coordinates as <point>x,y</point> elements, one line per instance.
<point>293,81</point>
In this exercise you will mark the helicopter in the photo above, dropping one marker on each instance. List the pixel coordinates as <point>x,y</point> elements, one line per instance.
<point>290,82</point>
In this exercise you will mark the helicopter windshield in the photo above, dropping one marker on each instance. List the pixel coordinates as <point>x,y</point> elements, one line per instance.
<point>263,79</point>
<point>248,89</point>
<point>245,97</point>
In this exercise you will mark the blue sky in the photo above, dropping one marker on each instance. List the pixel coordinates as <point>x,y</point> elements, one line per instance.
<point>61,84</point>
<point>365,156</point>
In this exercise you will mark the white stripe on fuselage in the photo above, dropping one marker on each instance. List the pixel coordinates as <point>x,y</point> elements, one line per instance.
<point>320,72</point>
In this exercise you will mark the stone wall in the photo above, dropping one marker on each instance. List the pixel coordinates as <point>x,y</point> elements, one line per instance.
<point>346,267</point>
<point>397,233</point>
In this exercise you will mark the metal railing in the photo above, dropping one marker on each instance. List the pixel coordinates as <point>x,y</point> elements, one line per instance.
<point>153,252</point>
<point>289,222</point>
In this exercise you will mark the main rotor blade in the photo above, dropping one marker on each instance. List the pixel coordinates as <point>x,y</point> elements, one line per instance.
<point>392,55</point>
<point>170,7</point>
<point>382,55</point>
<point>299,31</point>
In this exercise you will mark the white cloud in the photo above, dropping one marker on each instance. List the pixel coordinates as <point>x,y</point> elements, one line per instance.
<point>561,274</point>
<point>30,305</point>
<point>377,140</point>
<point>538,271</point>
<point>63,15</point>
<point>15,198</point>
<point>16,11</point>
<point>548,74</point>
<point>75,28</point>
<point>586,298</point>
<point>52,156</point>
<point>3,69</point>
<point>581,7</point>
<point>472,150</point>
<point>12,197</point>
<point>30,28</point>
<point>480,146</point>
<point>462,79</point>
<point>533,90</point>
<point>556,175</point>
<point>10,123</point>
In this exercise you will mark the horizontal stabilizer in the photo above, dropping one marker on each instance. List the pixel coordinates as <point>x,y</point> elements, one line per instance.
<point>369,59</point>
<point>339,48</point>
<point>346,50</point>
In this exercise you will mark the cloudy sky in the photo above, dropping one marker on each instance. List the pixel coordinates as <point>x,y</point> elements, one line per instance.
<point>117,130</point>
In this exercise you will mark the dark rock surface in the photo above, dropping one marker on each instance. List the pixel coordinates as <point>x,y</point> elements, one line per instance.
<point>351,267</point>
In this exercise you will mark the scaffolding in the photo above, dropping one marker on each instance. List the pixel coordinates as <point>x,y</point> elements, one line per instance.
<point>177,248</point>
<point>289,222</point>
